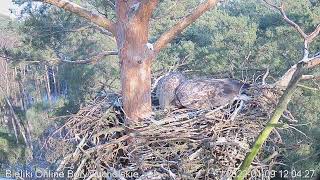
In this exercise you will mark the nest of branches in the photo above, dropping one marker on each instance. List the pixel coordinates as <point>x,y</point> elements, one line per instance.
<point>181,144</point>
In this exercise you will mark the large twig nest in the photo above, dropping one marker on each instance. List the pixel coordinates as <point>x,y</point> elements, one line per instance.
<point>181,144</point>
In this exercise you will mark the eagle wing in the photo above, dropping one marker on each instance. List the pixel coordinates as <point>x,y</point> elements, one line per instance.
<point>167,87</point>
<point>207,93</point>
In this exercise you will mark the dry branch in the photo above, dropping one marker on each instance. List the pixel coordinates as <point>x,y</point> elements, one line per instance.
<point>309,37</point>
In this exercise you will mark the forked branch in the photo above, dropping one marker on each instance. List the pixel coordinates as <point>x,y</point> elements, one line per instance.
<point>182,24</point>
<point>311,62</point>
<point>284,80</point>
<point>308,37</point>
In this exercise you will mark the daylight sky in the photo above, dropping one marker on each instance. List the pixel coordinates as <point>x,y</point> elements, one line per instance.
<point>4,6</point>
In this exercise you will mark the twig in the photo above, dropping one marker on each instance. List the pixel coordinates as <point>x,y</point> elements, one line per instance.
<point>307,87</point>
<point>265,77</point>
<point>300,132</point>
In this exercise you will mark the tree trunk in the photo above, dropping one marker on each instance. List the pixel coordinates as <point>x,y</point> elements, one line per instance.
<point>136,85</point>
<point>38,97</point>
<point>58,90</point>
<point>132,30</point>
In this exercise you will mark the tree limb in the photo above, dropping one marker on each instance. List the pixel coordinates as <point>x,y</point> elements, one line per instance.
<point>308,88</point>
<point>284,80</point>
<point>310,77</point>
<point>273,122</point>
<point>83,12</point>
<point>182,24</point>
<point>146,8</point>
<point>314,34</point>
<point>313,62</point>
<point>92,59</point>
<point>308,38</point>
<point>285,17</point>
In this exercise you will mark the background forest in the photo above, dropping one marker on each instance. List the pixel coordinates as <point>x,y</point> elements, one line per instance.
<point>50,66</point>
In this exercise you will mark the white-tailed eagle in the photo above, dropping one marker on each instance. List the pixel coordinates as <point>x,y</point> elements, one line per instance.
<point>209,93</point>
<point>175,90</point>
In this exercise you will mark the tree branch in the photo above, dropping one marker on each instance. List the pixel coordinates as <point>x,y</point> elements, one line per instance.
<point>273,122</point>
<point>310,63</point>
<point>310,77</point>
<point>313,62</point>
<point>285,17</point>
<point>83,12</point>
<point>284,80</point>
<point>182,24</point>
<point>314,34</point>
<point>308,38</point>
<point>93,59</point>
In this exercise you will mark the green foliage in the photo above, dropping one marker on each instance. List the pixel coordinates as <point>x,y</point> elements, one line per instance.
<point>237,37</point>
<point>37,117</point>
<point>45,35</point>
<point>4,21</point>
<point>306,154</point>
<point>10,151</point>
<point>229,40</point>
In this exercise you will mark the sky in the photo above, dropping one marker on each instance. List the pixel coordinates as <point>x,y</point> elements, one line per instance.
<point>4,7</point>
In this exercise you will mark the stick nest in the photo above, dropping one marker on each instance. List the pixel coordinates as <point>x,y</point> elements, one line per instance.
<point>181,144</point>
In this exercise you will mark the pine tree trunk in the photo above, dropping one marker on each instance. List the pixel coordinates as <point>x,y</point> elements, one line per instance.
<point>136,85</point>
<point>132,30</point>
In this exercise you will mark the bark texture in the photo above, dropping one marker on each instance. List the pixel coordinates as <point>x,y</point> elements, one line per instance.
<point>135,57</point>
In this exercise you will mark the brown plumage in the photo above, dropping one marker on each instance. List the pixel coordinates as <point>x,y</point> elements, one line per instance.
<point>208,93</point>
<point>175,90</point>
<point>166,89</point>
